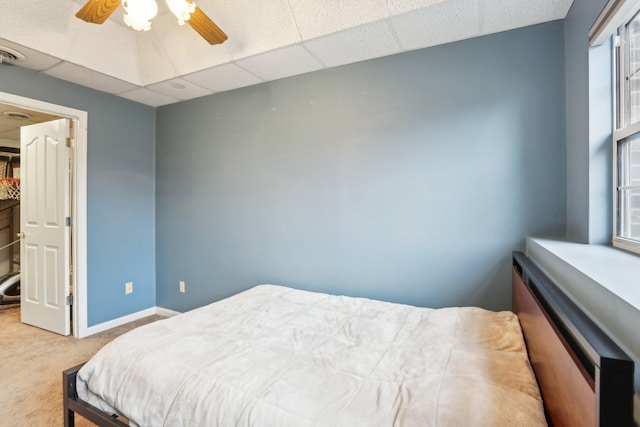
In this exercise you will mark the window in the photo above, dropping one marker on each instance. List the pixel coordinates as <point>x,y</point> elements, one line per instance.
<point>628,188</point>
<point>626,136</point>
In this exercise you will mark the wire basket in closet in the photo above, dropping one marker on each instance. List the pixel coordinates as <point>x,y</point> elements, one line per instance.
<point>9,177</point>
<point>9,188</point>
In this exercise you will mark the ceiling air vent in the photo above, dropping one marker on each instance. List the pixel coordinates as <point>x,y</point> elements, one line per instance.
<point>16,115</point>
<point>9,55</point>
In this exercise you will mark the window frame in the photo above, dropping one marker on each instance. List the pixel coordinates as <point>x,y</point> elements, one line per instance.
<point>621,130</point>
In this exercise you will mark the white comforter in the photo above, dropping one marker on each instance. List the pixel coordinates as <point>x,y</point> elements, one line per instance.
<point>275,356</point>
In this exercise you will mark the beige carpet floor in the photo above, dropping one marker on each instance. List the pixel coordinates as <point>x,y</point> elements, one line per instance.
<point>31,365</point>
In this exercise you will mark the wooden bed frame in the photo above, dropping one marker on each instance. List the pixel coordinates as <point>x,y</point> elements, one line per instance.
<point>585,379</point>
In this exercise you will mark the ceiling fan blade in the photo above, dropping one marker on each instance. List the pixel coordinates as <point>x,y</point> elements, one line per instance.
<point>208,29</point>
<point>97,11</point>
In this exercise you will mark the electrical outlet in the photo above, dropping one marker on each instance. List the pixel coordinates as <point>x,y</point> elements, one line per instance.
<point>182,287</point>
<point>128,288</point>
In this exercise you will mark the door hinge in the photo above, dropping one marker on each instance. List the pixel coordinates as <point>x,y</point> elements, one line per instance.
<point>71,142</point>
<point>69,299</point>
<point>69,221</point>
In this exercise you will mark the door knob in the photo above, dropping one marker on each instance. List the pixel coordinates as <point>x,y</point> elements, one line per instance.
<point>21,235</point>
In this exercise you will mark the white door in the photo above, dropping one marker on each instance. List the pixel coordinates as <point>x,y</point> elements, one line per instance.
<point>44,208</point>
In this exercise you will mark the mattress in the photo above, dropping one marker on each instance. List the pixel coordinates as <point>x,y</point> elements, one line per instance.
<point>277,356</point>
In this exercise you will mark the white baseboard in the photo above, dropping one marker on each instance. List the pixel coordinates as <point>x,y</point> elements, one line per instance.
<point>161,311</point>
<point>101,327</point>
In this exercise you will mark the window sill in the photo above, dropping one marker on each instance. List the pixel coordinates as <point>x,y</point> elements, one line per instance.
<point>614,269</point>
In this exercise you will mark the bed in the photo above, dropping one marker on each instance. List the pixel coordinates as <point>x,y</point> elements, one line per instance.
<point>277,356</point>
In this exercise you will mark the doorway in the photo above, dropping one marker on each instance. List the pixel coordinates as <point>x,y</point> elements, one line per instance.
<point>9,213</point>
<point>77,191</point>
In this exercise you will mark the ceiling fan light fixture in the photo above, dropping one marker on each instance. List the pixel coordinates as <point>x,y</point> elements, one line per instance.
<point>182,9</point>
<point>139,13</point>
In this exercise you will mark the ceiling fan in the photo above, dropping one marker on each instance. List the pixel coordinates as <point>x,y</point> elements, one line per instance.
<point>138,15</point>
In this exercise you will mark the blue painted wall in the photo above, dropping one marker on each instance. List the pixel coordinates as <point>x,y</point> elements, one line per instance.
<point>589,157</point>
<point>121,192</point>
<point>409,178</point>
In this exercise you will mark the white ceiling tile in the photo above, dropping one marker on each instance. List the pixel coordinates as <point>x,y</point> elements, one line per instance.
<point>148,97</point>
<point>212,8</point>
<point>179,89</point>
<point>223,77</point>
<point>356,44</point>
<point>255,27</point>
<point>280,63</point>
<point>441,23</point>
<point>103,47</point>
<point>89,78</point>
<point>155,65</point>
<point>39,24</point>
<point>185,48</point>
<point>501,15</point>
<point>316,18</point>
<point>397,7</point>
<point>33,59</point>
<point>562,7</point>
<point>40,16</point>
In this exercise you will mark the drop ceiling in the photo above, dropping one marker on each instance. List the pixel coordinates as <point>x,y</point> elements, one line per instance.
<point>268,40</point>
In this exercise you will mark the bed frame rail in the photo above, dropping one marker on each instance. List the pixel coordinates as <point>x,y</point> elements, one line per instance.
<point>72,404</point>
<point>584,377</point>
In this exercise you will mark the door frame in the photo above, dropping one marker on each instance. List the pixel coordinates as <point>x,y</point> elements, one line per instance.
<point>78,201</point>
